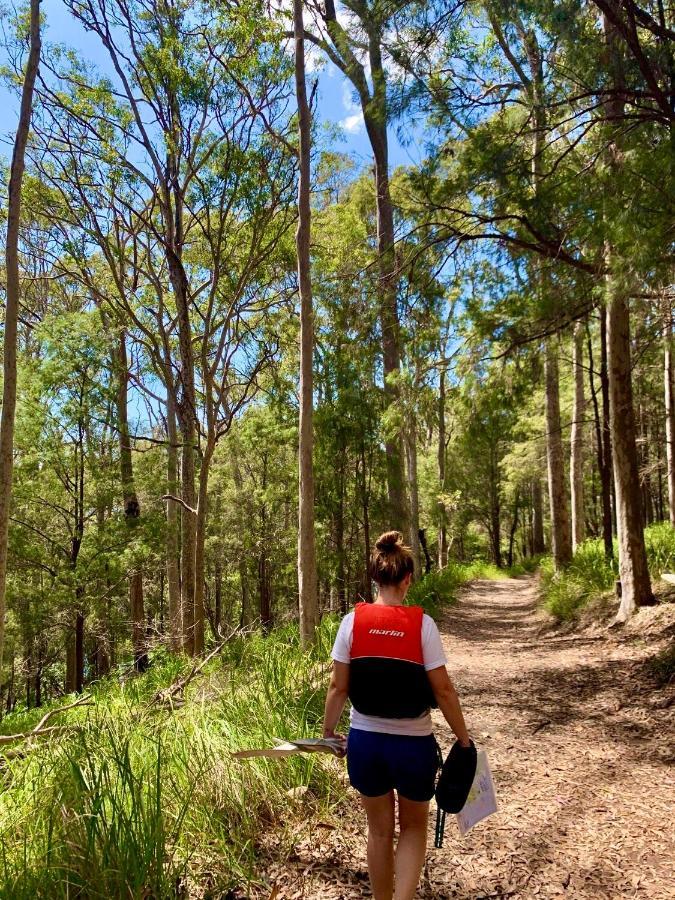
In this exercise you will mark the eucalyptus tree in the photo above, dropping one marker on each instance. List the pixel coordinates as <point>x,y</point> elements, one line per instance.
<point>354,39</point>
<point>306,544</point>
<point>203,192</point>
<point>13,299</point>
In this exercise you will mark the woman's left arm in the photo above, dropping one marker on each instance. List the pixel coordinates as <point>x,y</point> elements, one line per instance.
<point>336,698</point>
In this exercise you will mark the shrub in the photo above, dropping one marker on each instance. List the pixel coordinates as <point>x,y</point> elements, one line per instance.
<point>589,575</point>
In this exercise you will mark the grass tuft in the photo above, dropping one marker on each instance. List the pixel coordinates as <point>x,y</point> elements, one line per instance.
<point>590,574</point>
<point>135,801</point>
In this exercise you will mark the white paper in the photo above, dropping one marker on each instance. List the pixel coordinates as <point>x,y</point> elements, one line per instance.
<point>482,800</point>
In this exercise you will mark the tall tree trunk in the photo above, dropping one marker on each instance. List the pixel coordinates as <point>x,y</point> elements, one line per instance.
<point>577,440</point>
<point>602,437</point>
<point>200,545</point>
<point>669,392</point>
<point>538,543</point>
<point>633,571</point>
<point>561,542</point>
<point>442,515</point>
<point>376,117</point>
<point>307,575</point>
<point>495,511</point>
<point>173,525</point>
<point>79,643</point>
<point>132,508</point>
<point>188,535</point>
<point>606,427</point>
<point>364,497</point>
<point>389,322</point>
<point>643,464</point>
<point>514,526</point>
<point>186,410</point>
<point>13,297</point>
<point>410,437</point>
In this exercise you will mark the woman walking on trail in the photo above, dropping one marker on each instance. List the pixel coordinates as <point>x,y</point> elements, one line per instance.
<point>388,659</point>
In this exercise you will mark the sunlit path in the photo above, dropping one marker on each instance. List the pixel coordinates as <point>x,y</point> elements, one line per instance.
<point>581,748</point>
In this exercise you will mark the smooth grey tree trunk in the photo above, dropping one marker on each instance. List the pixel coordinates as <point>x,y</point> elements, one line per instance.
<point>307,575</point>
<point>577,439</point>
<point>13,297</point>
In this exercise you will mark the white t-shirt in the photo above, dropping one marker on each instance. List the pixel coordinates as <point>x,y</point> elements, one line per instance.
<point>433,655</point>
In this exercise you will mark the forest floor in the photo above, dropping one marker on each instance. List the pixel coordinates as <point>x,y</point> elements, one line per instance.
<point>581,742</point>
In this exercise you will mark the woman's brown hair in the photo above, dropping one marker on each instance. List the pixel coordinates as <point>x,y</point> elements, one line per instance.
<point>390,560</point>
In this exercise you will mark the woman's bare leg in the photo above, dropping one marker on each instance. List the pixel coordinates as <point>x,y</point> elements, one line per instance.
<point>413,817</point>
<point>380,812</point>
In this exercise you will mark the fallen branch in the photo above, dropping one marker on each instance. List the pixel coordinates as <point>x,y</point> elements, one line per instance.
<point>40,730</point>
<point>173,696</point>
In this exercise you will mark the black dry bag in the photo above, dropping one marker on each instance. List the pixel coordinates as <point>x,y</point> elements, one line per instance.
<point>454,784</point>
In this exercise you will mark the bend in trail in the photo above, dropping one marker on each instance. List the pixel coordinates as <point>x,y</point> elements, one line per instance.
<point>581,749</point>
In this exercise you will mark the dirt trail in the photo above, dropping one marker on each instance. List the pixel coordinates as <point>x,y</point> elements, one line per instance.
<point>581,746</point>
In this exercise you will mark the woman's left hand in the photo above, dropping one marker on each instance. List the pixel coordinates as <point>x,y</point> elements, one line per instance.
<point>338,737</point>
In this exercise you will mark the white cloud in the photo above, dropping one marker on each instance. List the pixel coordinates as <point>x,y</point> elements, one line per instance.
<point>353,121</point>
<point>353,124</point>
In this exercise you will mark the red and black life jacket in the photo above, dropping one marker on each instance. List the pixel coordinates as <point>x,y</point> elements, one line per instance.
<point>387,677</point>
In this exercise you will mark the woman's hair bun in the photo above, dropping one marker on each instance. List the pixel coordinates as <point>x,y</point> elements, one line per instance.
<point>389,541</point>
<point>391,560</point>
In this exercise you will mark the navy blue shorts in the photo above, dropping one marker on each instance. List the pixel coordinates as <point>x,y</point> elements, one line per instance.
<point>378,763</point>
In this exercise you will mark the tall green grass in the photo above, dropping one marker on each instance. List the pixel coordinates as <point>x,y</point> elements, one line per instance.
<point>590,574</point>
<point>136,801</point>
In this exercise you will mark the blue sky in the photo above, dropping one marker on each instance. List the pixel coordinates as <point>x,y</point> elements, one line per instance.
<point>336,103</point>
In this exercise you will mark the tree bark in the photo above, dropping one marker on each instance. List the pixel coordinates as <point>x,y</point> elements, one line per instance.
<point>200,544</point>
<point>410,438</point>
<point>538,543</point>
<point>495,511</point>
<point>13,298</point>
<point>307,575</point>
<point>602,437</point>
<point>669,392</point>
<point>633,571</point>
<point>561,543</point>
<point>442,515</point>
<point>577,440</point>
<point>173,525</point>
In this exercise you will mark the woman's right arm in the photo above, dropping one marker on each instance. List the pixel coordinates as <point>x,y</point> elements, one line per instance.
<point>448,703</point>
